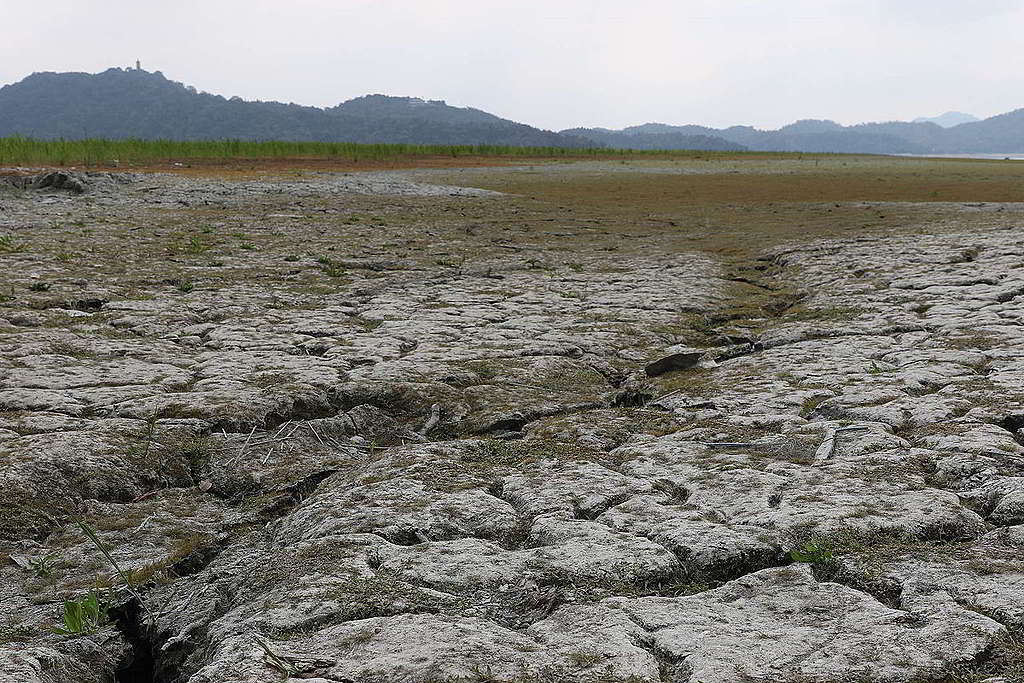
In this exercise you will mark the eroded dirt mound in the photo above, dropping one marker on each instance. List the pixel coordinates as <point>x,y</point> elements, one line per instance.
<point>351,428</point>
<point>75,182</point>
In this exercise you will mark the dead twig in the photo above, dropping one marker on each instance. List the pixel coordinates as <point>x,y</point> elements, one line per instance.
<point>668,395</point>
<point>246,444</point>
<point>828,444</point>
<point>366,448</point>
<point>266,442</point>
<point>312,429</point>
<point>283,666</point>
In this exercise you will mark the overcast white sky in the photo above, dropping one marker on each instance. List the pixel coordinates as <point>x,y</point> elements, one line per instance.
<point>555,63</point>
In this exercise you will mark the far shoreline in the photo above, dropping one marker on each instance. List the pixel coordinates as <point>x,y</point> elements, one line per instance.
<point>1002,156</point>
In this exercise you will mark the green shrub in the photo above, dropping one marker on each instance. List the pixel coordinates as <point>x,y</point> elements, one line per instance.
<point>813,552</point>
<point>83,616</point>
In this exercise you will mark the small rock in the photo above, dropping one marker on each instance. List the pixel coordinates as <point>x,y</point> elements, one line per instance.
<point>676,358</point>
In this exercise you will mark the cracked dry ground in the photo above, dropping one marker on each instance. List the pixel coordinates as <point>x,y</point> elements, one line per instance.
<point>602,428</point>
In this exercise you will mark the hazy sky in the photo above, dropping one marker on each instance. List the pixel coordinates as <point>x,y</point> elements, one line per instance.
<point>555,63</point>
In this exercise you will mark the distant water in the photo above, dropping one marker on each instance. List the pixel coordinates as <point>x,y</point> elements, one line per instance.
<point>1016,156</point>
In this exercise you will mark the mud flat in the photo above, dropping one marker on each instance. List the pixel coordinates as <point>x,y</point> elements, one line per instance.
<point>706,421</point>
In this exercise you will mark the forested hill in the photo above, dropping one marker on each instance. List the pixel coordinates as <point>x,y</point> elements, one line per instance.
<point>123,103</point>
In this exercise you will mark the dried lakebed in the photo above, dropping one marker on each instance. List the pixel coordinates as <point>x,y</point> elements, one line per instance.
<point>372,428</point>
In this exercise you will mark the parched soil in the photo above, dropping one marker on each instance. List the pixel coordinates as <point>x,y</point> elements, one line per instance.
<point>710,419</point>
<point>274,167</point>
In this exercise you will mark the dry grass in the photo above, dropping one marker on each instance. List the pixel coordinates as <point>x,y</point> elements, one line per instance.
<point>576,219</point>
<point>731,206</point>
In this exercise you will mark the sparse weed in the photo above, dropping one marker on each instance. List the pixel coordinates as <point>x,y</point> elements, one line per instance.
<point>457,263</point>
<point>331,268</point>
<point>269,380</point>
<point>66,348</point>
<point>195,452</point>
<point>128,584</point>
<point>9,245</point>
<point>835,313</point>
<point>537,264</point>
<point>148,436</point>
<point>368,324</point>
<point>184,285</point>
<point>22,633</point>
<point>810,404</point>
<point>43,567</point>
<point>196,246</point>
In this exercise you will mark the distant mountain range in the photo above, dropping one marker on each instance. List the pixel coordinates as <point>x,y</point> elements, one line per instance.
<point>120,103</point>
<point>948,120</point>
<point>1003,133</point>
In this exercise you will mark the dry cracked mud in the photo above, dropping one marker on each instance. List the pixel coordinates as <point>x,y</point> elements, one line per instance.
<point>391,427</point>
